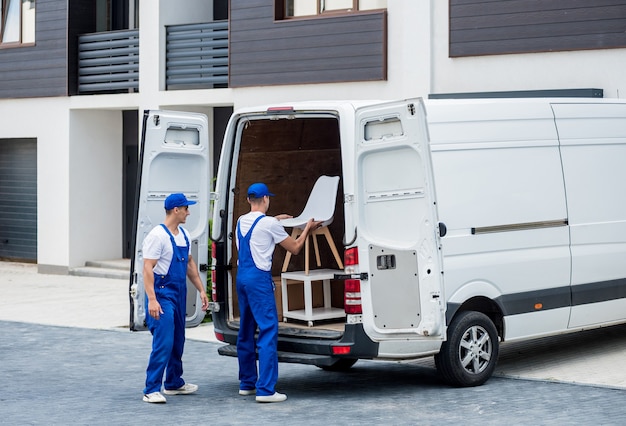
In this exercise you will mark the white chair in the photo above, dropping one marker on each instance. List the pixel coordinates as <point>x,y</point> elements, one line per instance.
<point>321,207</point>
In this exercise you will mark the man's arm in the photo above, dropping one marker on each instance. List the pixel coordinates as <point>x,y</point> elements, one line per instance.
<point>194,276</point>
<point>154,307</point>
<point>294,246</point>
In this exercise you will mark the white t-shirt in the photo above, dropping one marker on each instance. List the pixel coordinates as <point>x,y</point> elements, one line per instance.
<point>266,234</point>
<point>157,245</point>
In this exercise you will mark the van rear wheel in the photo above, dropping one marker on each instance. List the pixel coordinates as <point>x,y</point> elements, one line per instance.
<point>469,356</point>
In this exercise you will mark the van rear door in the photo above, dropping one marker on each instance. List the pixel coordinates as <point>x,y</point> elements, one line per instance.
<point>397,223</point>
<point>174,158</point>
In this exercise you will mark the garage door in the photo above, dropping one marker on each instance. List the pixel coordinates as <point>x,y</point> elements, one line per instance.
<point>18,199</point>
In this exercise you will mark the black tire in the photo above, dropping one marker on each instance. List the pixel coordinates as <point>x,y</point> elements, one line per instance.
<point>470,355</point>
<point>342,364</point>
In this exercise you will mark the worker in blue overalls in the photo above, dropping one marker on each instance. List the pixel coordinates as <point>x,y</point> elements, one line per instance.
<point>167,263</point>
<point>257,236</point>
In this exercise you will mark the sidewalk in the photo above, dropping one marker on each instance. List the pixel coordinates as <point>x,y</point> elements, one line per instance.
<point>70,301</point>
<point>594,357</point>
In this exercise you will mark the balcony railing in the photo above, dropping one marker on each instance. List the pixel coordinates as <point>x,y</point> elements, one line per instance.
<point>108,62</point>
<point>197,56</point>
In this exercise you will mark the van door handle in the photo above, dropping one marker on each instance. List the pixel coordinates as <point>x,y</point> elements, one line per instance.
<point>443,230</point>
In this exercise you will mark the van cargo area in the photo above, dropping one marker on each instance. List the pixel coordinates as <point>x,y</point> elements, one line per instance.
<point>289,155</point>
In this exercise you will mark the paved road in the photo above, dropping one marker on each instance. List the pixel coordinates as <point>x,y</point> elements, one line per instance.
<point>59,375</point>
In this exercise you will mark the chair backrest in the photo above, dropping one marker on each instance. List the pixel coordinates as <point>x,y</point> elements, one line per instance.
<point>321,202</point>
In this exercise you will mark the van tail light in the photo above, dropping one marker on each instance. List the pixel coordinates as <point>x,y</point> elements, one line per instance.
<point>213,274</point>
<point>280,110</point>
<point>351,257</point>
<point>352,288</point>
<point>352,297</point>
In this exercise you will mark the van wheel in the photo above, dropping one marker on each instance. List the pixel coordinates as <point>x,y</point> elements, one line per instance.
<point>470,354</point>
<point>342,364</point>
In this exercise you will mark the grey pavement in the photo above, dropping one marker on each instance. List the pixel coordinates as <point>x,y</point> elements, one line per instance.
<point>66,356</point>
<point>61,375</point>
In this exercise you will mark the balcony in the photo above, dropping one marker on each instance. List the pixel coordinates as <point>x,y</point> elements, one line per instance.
<point>108,62</point>
<point>196,58</point>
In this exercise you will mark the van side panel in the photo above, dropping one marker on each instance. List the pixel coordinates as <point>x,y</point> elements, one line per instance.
<point>501,195</point>
<point>593,145</point>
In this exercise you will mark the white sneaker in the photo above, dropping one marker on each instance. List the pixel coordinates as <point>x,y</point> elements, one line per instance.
<point>277,397</point>
<point>246,392</point>
<point>155,398</point>
<point>183,390</point>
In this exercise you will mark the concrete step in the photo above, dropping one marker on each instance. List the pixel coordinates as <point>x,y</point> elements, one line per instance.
<point>115,269</point>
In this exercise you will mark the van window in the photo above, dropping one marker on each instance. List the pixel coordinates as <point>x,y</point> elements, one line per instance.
<point>384,128</point>
<point>182,136</point>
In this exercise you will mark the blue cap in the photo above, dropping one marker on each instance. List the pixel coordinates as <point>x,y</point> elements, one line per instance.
<point>258,190</point>
<point>177,200</point>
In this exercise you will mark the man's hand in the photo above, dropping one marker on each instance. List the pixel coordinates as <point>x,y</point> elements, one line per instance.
<point>283,216</point>
<point>154,309</point>
<point>205,301</point>
<point>294,246</point>
<point>312,225</point>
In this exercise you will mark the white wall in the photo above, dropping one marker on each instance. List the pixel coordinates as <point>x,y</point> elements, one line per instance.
<point>47,121</point>
<point>95,182</point>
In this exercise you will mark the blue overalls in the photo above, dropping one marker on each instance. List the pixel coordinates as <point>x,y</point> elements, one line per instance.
<point>168,332</point>
<point>255,291</point>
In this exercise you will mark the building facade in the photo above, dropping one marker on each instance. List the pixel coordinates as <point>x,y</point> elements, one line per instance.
<point>76,76</point>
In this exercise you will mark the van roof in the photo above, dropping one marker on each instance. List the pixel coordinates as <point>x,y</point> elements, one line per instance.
<point>337,105</point>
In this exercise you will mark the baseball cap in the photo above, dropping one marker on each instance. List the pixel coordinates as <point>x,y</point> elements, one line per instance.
<point>177,200</point>
<point>258,190</point>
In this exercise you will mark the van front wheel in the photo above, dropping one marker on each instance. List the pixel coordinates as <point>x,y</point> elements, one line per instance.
<point>470,354</point>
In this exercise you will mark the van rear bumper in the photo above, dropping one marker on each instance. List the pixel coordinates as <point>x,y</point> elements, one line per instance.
<point>319,352</point>
<point>295,358</point>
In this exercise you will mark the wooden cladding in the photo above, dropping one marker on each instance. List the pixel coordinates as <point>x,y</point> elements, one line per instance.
<point>491,27</point>
<point>38,69</point>
<point>341,48</point>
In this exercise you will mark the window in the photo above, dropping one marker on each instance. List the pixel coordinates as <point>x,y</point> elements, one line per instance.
<point>297,8</point>
<point>177,135</point>
<point>388,127</point>
<point>17,23</point>
<point>113,15</point>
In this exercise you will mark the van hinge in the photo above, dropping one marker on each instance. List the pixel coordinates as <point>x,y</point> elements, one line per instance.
<point>203,267</point>
<point>362,276</point>
<point>348,198</point>
<point>214,196</point>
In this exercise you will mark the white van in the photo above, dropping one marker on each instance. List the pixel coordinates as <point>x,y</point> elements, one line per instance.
<point>465,223</point>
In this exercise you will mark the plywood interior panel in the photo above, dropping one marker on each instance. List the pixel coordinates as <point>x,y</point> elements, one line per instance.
<point>289,156</point>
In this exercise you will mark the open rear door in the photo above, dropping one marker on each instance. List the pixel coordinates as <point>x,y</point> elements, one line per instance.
<point>174,158</point>
<point>398,224</point>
